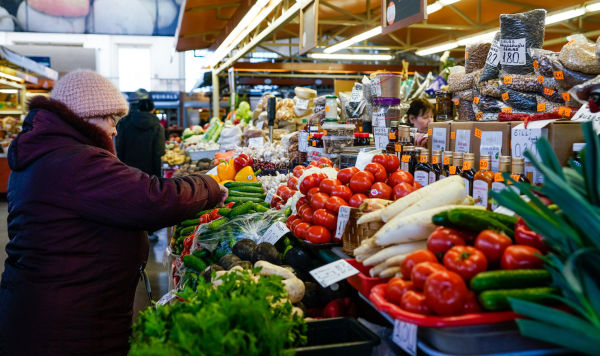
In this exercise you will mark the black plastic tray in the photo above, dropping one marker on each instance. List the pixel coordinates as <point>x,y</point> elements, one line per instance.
<point>338,337</point>
<point>317,246</point>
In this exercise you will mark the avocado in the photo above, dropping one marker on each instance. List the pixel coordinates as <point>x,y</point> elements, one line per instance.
<point>244,249</point>
<point>264,251</point>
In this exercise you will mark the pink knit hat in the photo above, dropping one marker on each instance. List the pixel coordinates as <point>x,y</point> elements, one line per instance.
<point>89,95</point>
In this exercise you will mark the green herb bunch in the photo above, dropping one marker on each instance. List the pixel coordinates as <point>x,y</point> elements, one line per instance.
<point>242,316</point>
<point>573,234</point>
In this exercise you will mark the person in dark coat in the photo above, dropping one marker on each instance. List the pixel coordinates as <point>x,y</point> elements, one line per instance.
<point>76,221</point>
<point>141,138</point>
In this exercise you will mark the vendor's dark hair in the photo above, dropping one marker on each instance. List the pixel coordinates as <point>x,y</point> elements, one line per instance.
<point>419,107</point>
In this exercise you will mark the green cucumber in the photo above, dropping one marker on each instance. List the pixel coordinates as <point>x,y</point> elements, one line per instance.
<point>509,279</point>
<point>260,208</point>
<point>235,193</point>
<point>194,263</point>
<point>243,184</point>
<point>248,190</point>
<point>189,222</point>
<point>215,224</point>
<point>242,200</point>
<point>241,209</point>
<point>470,220</point>
<point>187,230</point>
<point>288,212</point>
<point>265,204</point>
<point>498,299</point>
<point>224,211</point>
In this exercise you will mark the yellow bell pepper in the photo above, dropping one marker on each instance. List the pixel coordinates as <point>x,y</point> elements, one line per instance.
<point>215,177</point>
<point>246,174</point>
<point>226,171</point>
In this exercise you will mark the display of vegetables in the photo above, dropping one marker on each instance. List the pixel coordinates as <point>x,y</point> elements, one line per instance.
<point>269,156</point>
<point>174,155</point>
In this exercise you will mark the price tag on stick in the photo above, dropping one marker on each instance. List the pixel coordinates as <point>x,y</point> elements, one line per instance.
<point>165,299</point>
<point>269,197</point>
<point>275,232</point>
<point>333,272</point>
<point>405,336</point>
<point>342,221</point>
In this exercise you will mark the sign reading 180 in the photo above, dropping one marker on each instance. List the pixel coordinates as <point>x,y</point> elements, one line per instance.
<point>513,51</point>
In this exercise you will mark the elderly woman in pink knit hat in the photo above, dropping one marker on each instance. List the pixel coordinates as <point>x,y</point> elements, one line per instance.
<point>76,223</point>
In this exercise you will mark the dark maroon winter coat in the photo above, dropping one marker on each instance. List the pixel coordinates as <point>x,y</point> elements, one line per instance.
<point>76,225</point>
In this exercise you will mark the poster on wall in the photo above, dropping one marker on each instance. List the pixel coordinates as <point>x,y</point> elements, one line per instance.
<point>112,17</point>
<point>398,14</point>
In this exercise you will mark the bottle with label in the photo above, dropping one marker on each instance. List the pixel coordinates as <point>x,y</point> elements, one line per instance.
<point>403,140</point>
<point>423,168</point>
<point>447,161</point>
<point>457,161</point>
<point>407,154</point>
<point>482,182</point>
<point>467,172</point>
<point>518,170</point>
<point>392,138</point>
<point>436,166</point>
<point>498,184</point>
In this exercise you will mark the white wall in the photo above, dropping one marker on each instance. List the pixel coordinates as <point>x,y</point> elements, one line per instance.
<point>167,66</point>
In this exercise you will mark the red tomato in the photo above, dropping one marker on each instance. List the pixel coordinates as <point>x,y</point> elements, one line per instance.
<point>443,239</point>
<point>415,258</point>
<point>328,184</point>
<point>325,218</point>
<point>402,189</point>
<point>525,236</point>
<point>395,289</point>
<point>521,257</point>
<point>342,191</point>
<point>357,199</point>
<point>445,293</point>
<point>287,194</point>
<point>379,158</point>
<point>301,230</point>
<point>392,163</point>
<point>313,164</point>
<point>295,223</point>
<point>415,302</point>
<point>311,192</point>
<point>318,200</point>
<point>318,235</point>
<point>298,171</point>
<point>302,208</point>
<point>276,202</point>
<point>400,176</point>
<point>300,202</point>
<point>377,170</point>
<point>421,271</point>
<point>291,219</point>
<point>381,191</point>
<point>308,182</point>
<point>307,215</point>
<point>292,183</point>
<point>345,174</point>
<point>417,185</point>
<point>492,244</point>
<point>361,182</point>
<point>471,305</point>
<point>280,190</point>
<point>333,204</point>
<point>467,261</point>
<point>325,160</point>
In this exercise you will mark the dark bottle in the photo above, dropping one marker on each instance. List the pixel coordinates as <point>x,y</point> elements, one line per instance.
<point>467,172</point>
<point>392,138</point>
<point>407,161</point>
<point>482,182</point>
<point>436,166</point>
<point>422,169</point>
<point>447,161</point>
<point>518,170</point>
<point>499,184</point>
<point>403,139</point>
<point>457,161</point>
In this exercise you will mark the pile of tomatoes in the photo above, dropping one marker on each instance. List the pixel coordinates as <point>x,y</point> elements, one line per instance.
<point>435,281</point>
<point>316,212</point>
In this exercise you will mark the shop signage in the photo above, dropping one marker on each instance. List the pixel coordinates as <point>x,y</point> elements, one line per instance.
<point>398,14</point>
<point>333,272</point>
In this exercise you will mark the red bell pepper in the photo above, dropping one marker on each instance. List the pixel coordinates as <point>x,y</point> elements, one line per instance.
<point>242,161</point>
<point>187,242</point>
<point>525,236</point>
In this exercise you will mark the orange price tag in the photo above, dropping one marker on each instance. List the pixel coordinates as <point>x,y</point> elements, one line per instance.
<point>423,159</point>
<point>498,177</point>
<point>484,164</point>
<point>434,160</point>
<point>466,165</point>
<point>548,91</point>
<point>405,158</point>
<point>398,147</point>
<point>540,79</point>
<point>452,169</point>
<point>541,107</point>
<point>446,160</point>
<point>567,112</point>
<point>430,132</point>
<point>559,75</point>
<point>536,65</point>
<point>566,96</point>
<point>505,96</point>
<point>507,109</point>
<point>571,41</point>
<point>508,79</point>
<point>478,133</point>
<point>314,144</point>
<point>479,116</point>
<point>456,102</point>
<point>327,109</point>
<point>476,100</point>
<point>466,55</point>
<point>515,177</point>
<point>324,132</point>
<point>453,135</point>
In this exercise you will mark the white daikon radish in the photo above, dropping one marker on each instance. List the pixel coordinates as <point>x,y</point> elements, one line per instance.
<point>397,260</point>
<point>370,217</point>
<point>414,227</point>
<point>390,262</point>
<point>394,250</point>
<point>390,272</point>
<point>436,188</point>
<point>367,254</point>
<point>365,245</point>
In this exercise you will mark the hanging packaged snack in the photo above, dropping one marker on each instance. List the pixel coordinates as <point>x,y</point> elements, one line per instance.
<point>519,102</point>
<point>580,55</point>
<point>520,32</point>
<point>476,56</point>
<point>420,92</point>
<point>492,63</point>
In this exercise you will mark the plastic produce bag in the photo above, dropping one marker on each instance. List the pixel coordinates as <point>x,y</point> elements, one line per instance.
<point>492,63</point>
<point>566,78</point>
<point>489,88</point>
<point>487,104</point>
<point>518,101</point>
<point>582,92</point>
<point>550,91</point>
<point>461,81</point>
<point>545,105</point>
<point>465,111</point>
<point>425,84</point>
<point>542,61</point>
<point>579,55</point>
<point>464,95</point>
<point>519,33</point>
<point>520,82</point>
<point>475,56</point>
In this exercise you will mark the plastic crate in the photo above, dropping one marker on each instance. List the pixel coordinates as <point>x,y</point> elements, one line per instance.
<point>363,282</point>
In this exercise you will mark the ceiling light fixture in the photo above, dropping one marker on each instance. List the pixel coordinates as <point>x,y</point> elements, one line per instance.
<point>481,37</point>
<point>564,15</point>
<point>593,7</point>
<point>352,57</point>
<point>437,48</point>
<point>352,40</point>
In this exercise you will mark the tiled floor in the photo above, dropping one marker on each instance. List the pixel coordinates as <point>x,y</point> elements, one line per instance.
<point>157,272</point>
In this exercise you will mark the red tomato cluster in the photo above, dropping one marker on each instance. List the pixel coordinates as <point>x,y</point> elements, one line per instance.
<point>286,191</point>
<point>434,281</point>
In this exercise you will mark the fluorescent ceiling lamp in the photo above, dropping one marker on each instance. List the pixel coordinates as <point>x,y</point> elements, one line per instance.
<point>352,57</point>
<point>266,55</point>
<point>436,6</point>
<point>448,2</point>
<point>593,7</point>
<point>361,37</point>
<point>564,15</point>
<point>12,77</point>
<point>481,37</point>
<point>436,49</point>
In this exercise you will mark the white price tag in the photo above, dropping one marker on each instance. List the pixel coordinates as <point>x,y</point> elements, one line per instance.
<point>513,52</point>
<point>342,221</point>
<point>269,197</point>
<point>493,57</point>
<point>275,232</point>
<point>303,141</point>
<point>314,154</point>
<point>333,272</point>
<point>438,139</point>
<point>260,125</point>
<point>405,336</point>
<point>356,94</point>
<point>463,141</point>
<point>256,142</point>
<point>523,140</point>
<point>302,104</point>
<point>381,137</point>
<point>491,144</point>
<point>166,298</point>
<point>584,114</point>
<point>375,88</point>
<point>379,118</point>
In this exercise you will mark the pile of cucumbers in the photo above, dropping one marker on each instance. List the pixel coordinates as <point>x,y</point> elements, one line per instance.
<point>242,192</point>
<point>475,220</point>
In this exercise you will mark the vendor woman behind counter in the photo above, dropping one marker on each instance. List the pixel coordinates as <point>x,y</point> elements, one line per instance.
<point>420,114</point>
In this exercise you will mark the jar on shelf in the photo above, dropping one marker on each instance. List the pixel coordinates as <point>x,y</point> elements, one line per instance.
<point>385,110</point>
<point>331,113</point>
<point>443,106</point>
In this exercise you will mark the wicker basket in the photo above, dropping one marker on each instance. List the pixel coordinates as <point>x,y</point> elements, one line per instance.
<point>355,234</point>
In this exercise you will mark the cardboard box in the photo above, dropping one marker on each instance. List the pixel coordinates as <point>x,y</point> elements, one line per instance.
<point>460,136</point>
<point>562,135</point>
<point>439,136</point>
<point>491,138</point>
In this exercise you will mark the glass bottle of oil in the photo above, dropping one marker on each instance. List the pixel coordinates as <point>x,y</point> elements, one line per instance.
<point>457,161</point>
<point>436,166</point>
<point>403,140</point>
<point>408,160</point>
<point>392,138</point>
<point>447,160</point>
<point>499,184</point>
<point>423,168</point>
<point>467,172</point>
<point>482,182</point>
<point>518,170</point>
